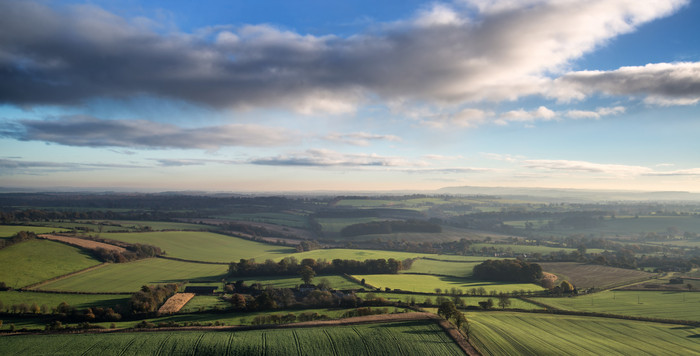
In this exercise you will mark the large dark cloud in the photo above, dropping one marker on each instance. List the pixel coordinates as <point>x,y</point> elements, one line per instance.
<point>93,132</point>
<point>445,53</point>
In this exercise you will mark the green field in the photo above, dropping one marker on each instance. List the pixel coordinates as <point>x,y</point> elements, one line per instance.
<point>406,338</point>
<point>80,301</point>
<point>468,301</point>
<point>509,333</point>
<point>95,226</point>
<point>428,284</point>
<point>630,226</point>
<point>528,249</point>
<point>298,220</point>
<point>129,277</point>
<point>34,261</point>
<point>652,304</point>
<point>11,230</point>
<point>336,282</point>
<point>589,276</point>
<point>334,225</point>
<point>204,302</point>
<point>361,255</point>
<point>204,246</point>
<point>457,269</point>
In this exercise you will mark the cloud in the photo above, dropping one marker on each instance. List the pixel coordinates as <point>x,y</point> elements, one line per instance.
<point>17,166</point>
<point>589,167</point>
<point>93,132</point>
<point>541,113</point>
<point>467,51</point>
<point>660,83</point>
<point>597,114</point>
<point>328,158</point>
<point>360,138</point>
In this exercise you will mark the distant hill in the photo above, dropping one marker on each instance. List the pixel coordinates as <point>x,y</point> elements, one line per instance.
<point>569,195</point>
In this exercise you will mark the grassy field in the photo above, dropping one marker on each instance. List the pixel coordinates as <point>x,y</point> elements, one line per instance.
<point>588,276</point>
<point>204,302</point>
<point>129,277</point>
<point>360,255</point>
<point>507,333</point>
<point>448,233</point>
<point>427,283</point>
<point>34,261</point>
<point>631,226</point>
<point>468,301</point>
<point>11,230</point>
<point>204,246</point>
<point>457,269</point>
<point>528,249</point>
<point>653,304</point>
<point>290,219</point>
<point>336,282</point>
<point>80,301</point>
<point>120,225</point>
<point>407,338</point>
<point>334,225</point>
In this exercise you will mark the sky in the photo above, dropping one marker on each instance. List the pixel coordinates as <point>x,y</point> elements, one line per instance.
<point>310,95</point>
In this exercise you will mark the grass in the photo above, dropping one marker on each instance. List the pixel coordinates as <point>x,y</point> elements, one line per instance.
<point>34,261</point>
<point>121,225</point>
<point>204,246</point>
<point>588,276</point>
<point>336,282</point>
<point>409,338</point>
<point>361,255</point>
<point>653,304</point>
<point>468,300</point>
<point>129,277</point>
<point>509,333</point>
<point>298,220</point>
<point>11,230</point>
<point>80,301</point>
<point>334,225</point>
<point>204,302</point>
<point>456,269</point>
<point>528,249</point>
<point>428,283</point>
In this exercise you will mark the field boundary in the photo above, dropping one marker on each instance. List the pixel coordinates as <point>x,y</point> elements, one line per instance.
<point>39,284</point>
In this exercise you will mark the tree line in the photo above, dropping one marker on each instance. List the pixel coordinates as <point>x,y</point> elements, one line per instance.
<point>290,266</point>
<point>508,271</point>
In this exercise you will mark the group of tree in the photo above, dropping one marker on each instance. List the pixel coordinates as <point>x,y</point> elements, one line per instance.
<point>449,311</point>
<point>390,226</point>
<point>290,266</point>
<point>508,271</point>
<point>133,252</point>
<point>150,298</point>
<point>17,238</point>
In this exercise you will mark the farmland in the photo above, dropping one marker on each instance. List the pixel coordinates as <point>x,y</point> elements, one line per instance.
<point>589,276</point>
<point>129,277</point>
<point>457,269</point>
<point>468,300</point>
<point>203,246</point>
<point>10,230</point>
<point>409,338</point>
<point>508,333</point>
<point>428,283</point>
<point>34,261</point>
<point>53,299</point>
<point>652,304</point>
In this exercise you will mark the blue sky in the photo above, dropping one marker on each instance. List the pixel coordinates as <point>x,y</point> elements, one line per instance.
<point>316,95</point>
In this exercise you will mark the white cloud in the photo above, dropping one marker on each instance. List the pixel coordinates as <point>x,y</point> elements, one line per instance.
<point>589,167</point>
<point>542,113</point>
<point>659,83</point>
<point>360,138</point>
<point>329,158</point>
<point>597,114</point>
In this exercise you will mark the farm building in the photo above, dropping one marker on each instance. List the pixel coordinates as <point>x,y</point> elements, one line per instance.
<point>206,290</point>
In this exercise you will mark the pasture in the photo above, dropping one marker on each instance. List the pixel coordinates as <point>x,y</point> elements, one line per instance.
<point>407,338</point>
<point>34,261</point>
<point>129,277</point>
<point>468,300</point>
<point>428,283</point>
<point>204,246</point>
<point>510,333</point>
<point>525,249</point>
<point>588,276</point>
<point>456,269</point>
<point>98,226</point>
<point>652,304</point>
<point>291,219</point>
<point>51,300</point>
<point>336,282</point>
<point>11,230</point>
